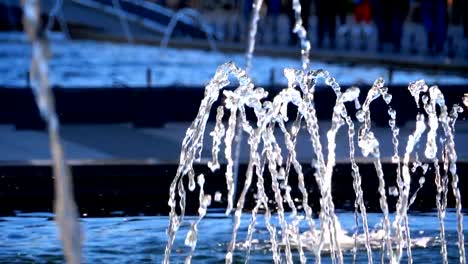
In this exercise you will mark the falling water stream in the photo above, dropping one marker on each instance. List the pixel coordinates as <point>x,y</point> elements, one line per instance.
<point>66,213</point>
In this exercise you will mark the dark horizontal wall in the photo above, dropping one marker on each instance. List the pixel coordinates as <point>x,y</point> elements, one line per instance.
<point>107,190</point>
<point>153,107</point>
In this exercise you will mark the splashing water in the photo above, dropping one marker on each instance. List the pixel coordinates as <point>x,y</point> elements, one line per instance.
<point>273,113</point>
<point>265,152</point>
<point>66,213</point>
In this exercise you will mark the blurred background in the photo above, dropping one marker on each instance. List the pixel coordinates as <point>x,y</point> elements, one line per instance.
<point>414,35</point>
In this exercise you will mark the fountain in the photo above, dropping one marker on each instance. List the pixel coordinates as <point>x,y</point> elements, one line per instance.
<point>267,156</point>
<point>193,14</point>
<point>265,152</point>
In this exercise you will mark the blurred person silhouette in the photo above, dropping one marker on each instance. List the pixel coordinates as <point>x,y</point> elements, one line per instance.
<point>461,6</point>
<point>326,12</point>
<point>389,17</point>
<point>343,10</point>
<point>362,17</point>
<point>434,17</point>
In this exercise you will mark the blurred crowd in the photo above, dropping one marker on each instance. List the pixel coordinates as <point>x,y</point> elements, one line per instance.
<point>336,19</point>
<point>389,17</point>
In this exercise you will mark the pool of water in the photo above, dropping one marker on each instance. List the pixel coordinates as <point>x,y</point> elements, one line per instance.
<point>32,238</point>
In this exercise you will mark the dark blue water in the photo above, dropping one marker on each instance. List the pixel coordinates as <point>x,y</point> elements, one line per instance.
<point>32,238</point>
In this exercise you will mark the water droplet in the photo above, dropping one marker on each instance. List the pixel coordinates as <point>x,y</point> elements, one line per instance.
<point>206,201</point>
<point>360,116</point>
<point>425,98</point>
<point>387,98</point>
<point>350,94</point>
<point>191,238</point>
<point>217,196</point>
<point>201,180</point>
<point>281,174</point>
<point>191,185</point>
<point>393,191</point>
<point>422,180</point>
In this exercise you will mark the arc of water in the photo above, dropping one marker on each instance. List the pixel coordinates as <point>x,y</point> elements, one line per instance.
<point>387,97</point>
<point>339,113</point>
<point>301,32</point>
<point>290,145</point>
<point>193,143</point>
<point>272,113</point>
<point>305,54</point>
<point>183,13</point>
<point>431,154</point>
<point>307,110</point>
<point>359,201</point>
<point>305,49</point>
<point>192,235</point>
<point>262,200</point>
<point>66,213</point>
<point>370,145</point>
<point>416,88</point>
<point>256,6</point>
<point>446,122</point>
<point>271,154</point>
<point>265,117</point>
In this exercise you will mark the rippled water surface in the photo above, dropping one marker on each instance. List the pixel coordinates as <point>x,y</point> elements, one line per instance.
<point>32,238</point>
